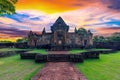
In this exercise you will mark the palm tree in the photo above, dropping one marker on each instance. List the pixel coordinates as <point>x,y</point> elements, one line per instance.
<point>7,6</point>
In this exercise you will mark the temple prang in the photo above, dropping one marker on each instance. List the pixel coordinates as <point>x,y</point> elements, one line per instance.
<point>60,37</point>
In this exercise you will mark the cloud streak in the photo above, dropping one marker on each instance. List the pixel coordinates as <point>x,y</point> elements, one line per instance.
<point>54,6</point>
<point>100,16</point>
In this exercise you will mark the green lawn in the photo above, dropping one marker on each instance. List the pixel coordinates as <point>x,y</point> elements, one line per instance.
<point>105,68</point>
<point>13,68</point>
<point>11,49</point>
<point>41,51</point>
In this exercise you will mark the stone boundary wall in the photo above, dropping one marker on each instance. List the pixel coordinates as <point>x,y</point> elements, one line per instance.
<point>10,53</point>
<point>11,45</point>
<point>90,54</point>
<point>108,45</point>
<point>59,58</point>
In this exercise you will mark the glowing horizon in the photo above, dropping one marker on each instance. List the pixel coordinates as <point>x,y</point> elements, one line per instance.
<point>102,17</point>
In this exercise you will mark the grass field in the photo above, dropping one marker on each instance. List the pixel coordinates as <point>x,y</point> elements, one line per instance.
<point>105,68</point>
<point>10,49</point>
<point>41,51</point>
<point>13,68</point>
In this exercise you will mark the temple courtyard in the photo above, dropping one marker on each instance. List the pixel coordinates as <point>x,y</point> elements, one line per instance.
<point>14,68</point>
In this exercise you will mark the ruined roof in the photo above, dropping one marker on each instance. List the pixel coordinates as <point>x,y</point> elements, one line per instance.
<point>59,21</point>
<point>59,25</point>
<point>44,31</point>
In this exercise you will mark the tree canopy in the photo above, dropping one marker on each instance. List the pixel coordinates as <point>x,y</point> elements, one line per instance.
<point>22,40</point>
<point>82,32</point>
<point>7,6</point>
<point>5,41</point>
<point>115,37</point>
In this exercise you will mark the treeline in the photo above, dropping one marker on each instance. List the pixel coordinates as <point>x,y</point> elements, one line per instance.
<point>4,41</point>
<point>111,42</point>
<point>115,37</point>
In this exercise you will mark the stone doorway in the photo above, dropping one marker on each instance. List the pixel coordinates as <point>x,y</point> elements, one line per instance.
<point>60,38</point>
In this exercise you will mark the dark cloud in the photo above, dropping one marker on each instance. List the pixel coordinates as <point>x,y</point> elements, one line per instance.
<point>115,4</point>
<point>112,4</point>
<point>35,18</point>
<point>12,32</point>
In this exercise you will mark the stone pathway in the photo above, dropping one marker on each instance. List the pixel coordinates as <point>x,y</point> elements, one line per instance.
<point>59,70</point>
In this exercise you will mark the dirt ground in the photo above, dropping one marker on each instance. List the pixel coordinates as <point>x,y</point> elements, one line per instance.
<point>59,70</point>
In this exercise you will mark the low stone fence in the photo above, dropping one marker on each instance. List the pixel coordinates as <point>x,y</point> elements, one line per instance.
<point>53,57</point>
<point>90,54</point>
<point>16,45</point>
<point>10,53</point>
<point>59,58</point>
<point>41,58</point>
<point>28,55</point>
<point>108,45</point>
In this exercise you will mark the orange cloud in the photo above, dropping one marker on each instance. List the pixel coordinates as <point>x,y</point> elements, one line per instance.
<point>54,6</point>
<point>6,37</point>
<point>107,31</point>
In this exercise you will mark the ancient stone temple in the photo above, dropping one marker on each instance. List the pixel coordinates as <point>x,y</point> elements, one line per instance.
<point>60,38</point>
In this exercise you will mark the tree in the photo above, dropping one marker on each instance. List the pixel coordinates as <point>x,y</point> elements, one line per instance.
<point>5,41</point>
<point>7,6</point>
<point>82,32</point>
<point>115,37</point>
<point>22,40</point>
<point>99,39</point>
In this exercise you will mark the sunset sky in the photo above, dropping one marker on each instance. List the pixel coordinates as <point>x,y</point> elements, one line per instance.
<point>102,17</point>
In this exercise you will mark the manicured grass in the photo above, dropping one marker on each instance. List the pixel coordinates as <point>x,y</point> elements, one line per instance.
<point>41,51</point>
<point>13,68</point>
<point>10,49</point>
<point>105,68</point>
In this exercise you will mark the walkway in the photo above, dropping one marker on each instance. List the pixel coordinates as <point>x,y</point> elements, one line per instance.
<point>59,70</point>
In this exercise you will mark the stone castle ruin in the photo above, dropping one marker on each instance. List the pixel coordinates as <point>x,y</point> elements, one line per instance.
<point>60,38</point>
